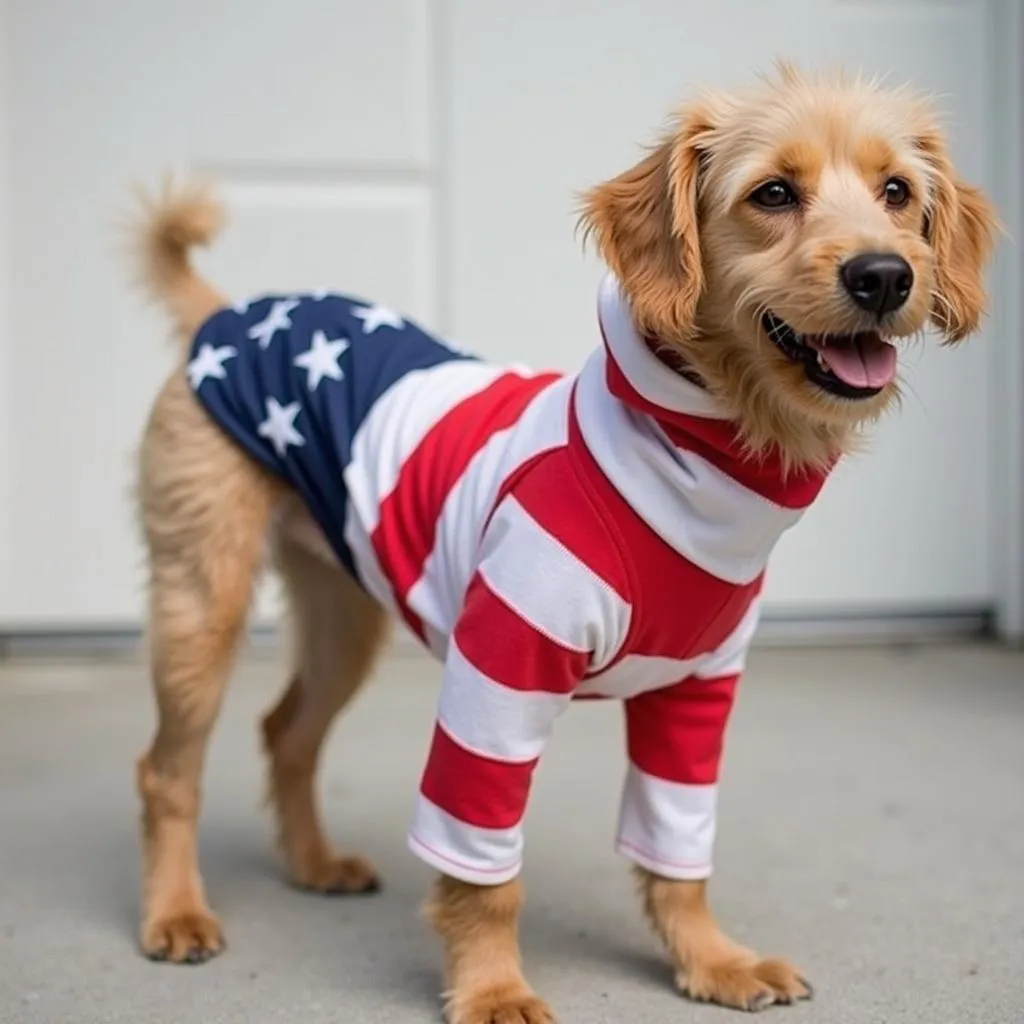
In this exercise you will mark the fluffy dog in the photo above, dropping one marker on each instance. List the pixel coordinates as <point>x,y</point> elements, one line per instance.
<point>549,536</point>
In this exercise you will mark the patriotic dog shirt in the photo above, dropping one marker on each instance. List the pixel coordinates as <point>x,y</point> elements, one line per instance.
<point>548,536</point>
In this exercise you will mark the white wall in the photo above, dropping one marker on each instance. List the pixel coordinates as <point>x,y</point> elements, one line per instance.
<point>1007,413</point>
<point>314,116</point>
<point>424,152</point>
<point>6,592</point>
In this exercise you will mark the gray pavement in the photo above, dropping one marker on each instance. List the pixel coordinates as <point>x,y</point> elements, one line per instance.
<point>872,828</point>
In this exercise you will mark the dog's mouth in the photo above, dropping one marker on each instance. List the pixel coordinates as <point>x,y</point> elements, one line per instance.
<point>845,365</point>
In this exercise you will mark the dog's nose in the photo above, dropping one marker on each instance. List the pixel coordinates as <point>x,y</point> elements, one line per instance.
<point>878,281</point>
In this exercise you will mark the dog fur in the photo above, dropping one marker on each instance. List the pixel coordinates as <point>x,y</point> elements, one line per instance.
<point>700,266</point>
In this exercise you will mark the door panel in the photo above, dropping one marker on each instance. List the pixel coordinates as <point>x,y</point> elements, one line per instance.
<point>316,120</point>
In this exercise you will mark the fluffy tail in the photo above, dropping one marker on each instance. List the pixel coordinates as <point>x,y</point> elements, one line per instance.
<point>174,222</point>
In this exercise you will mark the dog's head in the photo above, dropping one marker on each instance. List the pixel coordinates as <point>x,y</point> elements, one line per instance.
<point>783,242</point>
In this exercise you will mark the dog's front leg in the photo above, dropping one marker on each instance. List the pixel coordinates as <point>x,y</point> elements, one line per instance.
<point>709,966</point>
<point>479,927</point>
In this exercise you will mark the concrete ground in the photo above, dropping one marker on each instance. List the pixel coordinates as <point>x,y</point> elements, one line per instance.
<point>872,828</point>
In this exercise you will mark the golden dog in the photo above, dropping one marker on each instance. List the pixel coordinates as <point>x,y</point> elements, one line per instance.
<point>776,246</point>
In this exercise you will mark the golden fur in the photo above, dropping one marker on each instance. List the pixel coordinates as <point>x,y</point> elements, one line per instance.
<point>699,265</point>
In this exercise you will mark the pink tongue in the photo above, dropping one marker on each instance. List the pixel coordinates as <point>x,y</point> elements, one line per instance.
<point>862,362</point>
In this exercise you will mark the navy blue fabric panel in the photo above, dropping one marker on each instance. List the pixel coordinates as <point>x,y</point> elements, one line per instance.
<point>292,377</point>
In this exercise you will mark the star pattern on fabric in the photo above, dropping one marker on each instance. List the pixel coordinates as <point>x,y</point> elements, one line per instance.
<point>278,387</point>
<point>279,426</point>
<point>278,319</point>
<point>377,316</point>
<point>321,359</point>
<point>209,362</point>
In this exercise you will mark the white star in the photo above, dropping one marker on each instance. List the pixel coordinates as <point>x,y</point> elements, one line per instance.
<point>321,359</point>
<point>210,363</point>
<point>320,294</point>
<point>377,316</point>
<point>276,320</point>
<point>241,306</point>
<point>279,426</point>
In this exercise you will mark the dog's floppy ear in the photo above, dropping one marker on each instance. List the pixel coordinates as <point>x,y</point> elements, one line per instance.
<point>960,226</point>
<point>645,225</point>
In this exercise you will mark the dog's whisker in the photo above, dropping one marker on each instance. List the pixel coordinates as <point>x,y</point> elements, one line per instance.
<point>947,307</point>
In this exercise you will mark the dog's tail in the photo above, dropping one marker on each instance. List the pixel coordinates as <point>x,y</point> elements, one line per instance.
<point>173,222</point>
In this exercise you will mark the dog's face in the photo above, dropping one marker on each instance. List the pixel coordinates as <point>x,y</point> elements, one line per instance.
<point>787,240</point>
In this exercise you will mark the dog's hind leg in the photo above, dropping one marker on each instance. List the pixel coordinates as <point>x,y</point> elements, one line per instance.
<point>205,508</point>
<point>338,630</point>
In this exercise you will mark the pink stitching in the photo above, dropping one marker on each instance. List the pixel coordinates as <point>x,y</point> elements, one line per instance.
<point>633,848</point>
<point>458,863</point>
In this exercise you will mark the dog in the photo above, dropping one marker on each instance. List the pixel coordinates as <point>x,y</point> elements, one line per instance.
<point>549,536</point>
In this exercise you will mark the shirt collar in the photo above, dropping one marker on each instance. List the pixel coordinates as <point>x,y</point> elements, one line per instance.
<point>689,417</point>
<point>661,389</point>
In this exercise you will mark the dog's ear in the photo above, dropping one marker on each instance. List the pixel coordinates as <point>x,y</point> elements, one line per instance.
<point>960,226</point>
<point>645,225</point>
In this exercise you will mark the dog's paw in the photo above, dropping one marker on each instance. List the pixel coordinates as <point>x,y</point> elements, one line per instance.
<point>340,876</point>
<point>185,937</point>
<point>745,984</point>
<point>500,1006</point>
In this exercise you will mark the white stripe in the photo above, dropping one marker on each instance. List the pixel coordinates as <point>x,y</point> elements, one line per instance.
<point>480,856</point>
<point>365,559</point>
<point>667,827</point>
<point>641,367</point>
<point>399,420</point>
<point>730,659</point>
<point>437,641</point>
<point>493,720</point>
<point>547,586</point>
<point>544,426</point>
<point>701,512</point>
<point>637,673</point>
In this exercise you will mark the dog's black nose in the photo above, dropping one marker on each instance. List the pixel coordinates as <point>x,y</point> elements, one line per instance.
<point>878,281</point>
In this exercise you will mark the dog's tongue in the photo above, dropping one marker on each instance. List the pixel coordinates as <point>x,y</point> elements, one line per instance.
<point>863,361</point>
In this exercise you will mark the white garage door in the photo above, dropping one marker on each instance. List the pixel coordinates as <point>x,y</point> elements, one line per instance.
<point>425,154</point>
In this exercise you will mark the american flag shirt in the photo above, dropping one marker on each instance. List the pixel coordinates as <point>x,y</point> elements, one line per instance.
<point>549,536</point>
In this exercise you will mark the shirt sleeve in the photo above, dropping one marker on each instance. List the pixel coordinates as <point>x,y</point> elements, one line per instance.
<point>534,619</point>
<point>675,738</point>
<point>669,800</point>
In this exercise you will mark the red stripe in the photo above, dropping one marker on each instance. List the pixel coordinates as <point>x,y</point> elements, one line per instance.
<point>507,649</point>
<point>719,442</point>
<point>475,789</point>
<point>556,497</point>
<point>680,610</point>
<point>677,733</point>
<point>407,528</point>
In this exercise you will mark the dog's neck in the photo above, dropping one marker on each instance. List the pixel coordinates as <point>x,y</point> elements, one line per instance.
<point>765,429</point>
<point>801,446</point>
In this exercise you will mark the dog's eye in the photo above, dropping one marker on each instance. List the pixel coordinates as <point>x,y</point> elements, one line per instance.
<point>774,195</point>
<point>897,193</point>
